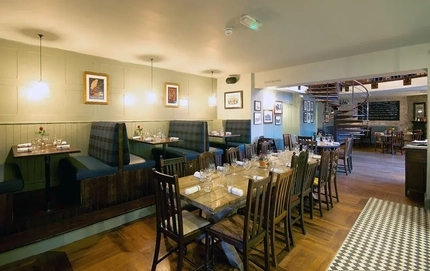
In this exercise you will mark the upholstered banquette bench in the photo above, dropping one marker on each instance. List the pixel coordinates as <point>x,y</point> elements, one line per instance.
<point>236,127</point>
<point>11,181</point>
<point>193,140</point>
<point>109,174</point>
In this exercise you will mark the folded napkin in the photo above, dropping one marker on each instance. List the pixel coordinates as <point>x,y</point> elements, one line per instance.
<point>136,137</point>
<point>220,168</point>
<point>192,189</point>
<point>235,191</point>
<point>257,178</point>
<point>63,147</point>
<point>24,149</point>
<point>63,142</point>
<point>240,163</point>
<point>197,174</point>
<point>316,156</point>
<point>23,145</point>
<point>149,139</point>
<point>277,170</point>
<point>174,138</point>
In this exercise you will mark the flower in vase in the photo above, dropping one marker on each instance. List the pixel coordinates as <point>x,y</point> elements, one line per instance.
<point>41,131</point>
<point>139,130</point>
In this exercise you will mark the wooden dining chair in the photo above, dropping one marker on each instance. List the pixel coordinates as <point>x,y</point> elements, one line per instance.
<point>379,141</point>
<point>417,134</point>
<point>205,159</point>
<point>265,147</point>
<point>287,142</point>
<point>310,145</point>
<point>397,142</point>
<point>232,152</point>
<point>321,181</point>
<point>181,226</point>
<point>245,231</point>
<point>279,211</point>
<point>334,159</point>
<point>344,156</point>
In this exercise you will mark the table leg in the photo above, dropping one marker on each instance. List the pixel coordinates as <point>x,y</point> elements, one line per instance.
<point>164,151</point>
<point>48,182</point>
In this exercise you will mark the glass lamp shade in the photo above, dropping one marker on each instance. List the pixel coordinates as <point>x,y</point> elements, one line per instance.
<point>38,91</point>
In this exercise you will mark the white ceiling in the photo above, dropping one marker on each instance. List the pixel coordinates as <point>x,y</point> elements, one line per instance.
<point>188,35</point>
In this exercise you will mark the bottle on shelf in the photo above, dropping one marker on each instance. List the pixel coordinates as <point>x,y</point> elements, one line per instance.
<point>222,131</point>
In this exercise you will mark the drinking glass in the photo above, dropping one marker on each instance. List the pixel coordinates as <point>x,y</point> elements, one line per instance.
<point>234,164</point>
<point>208,184</point>
<point>202,175</point>
<point>221,174</point>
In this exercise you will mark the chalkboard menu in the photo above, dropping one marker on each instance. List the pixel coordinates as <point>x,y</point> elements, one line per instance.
<point>384,110</point>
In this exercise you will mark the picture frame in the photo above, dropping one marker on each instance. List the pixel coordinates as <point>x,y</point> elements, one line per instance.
<point>419,111</point>
<point>267,116</point>
<point>171,94</point>
<point>305,117</point>
<point>257,118</point>
<point>233,100</point>
<point>96,88</point>
<point>278,119</point>
<point>305,105</point>
<point>311,107</point>
<point>312,117</point>
<point>257,105</point>
<point>278,107</point>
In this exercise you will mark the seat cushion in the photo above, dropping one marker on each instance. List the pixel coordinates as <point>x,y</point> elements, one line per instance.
<point>192,222</point>
<point>10,178</point>
<point>85,167</point>
<point>137,162</point>
<point>231,226</point>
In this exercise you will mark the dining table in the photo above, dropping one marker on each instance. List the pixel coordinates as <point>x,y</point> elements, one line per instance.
<point>219,202</point>
<point>225,137</point>
<point>156,141</point>
<point>46,151</point>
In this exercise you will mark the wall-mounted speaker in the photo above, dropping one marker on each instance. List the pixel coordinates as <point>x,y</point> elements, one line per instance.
<point>231,80</point>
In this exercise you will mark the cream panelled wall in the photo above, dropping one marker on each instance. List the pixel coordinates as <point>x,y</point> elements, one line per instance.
<point>64,113</point>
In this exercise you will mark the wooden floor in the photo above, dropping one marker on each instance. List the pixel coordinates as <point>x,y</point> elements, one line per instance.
<point>131,246</point>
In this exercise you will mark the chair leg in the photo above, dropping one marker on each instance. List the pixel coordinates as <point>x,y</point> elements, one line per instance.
<point>272,245</point>
<point>287,242</point>
<point>302,211</point>
<point>335,188</point>
<point>330,192</point>
<point>290,226</point>
<point>181,255</point>
<point>326,194</point>
<point>157,251</point>
<point>319,201</point>
<point>266,252</point>
<point>311,205</point>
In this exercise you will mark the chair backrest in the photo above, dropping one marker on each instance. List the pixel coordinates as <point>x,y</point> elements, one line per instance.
<point>308,178</point>
<point>311,145</point>
<point>417,134</point>
<point>281,197</point>
<point>300,139</point>
<point>397,139</point>
<point>294,140</point>
<point>287,142</point>
<point>174,166</point>
<point>250,150</point>
<point>265,146</point>
<point>324,169</point>
<point>205,159</point>
<point>168,204</point>
<point>334,159</point>
<point>378,137</point>
<point>299,165</point>
<point>232,152</point>
<point>257,209</point>
<point>350,144</point>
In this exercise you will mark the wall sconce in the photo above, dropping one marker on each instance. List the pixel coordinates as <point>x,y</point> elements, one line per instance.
<point>151,97</point>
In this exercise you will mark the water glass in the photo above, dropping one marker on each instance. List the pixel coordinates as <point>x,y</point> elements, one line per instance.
<point>208,184</point>
<point>234,164</point>
<point>202,175</point>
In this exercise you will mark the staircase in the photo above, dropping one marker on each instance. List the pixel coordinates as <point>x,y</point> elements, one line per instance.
<point>346,107</point>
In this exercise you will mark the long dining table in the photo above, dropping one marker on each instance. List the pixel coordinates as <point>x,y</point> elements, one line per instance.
<point>219,202</point>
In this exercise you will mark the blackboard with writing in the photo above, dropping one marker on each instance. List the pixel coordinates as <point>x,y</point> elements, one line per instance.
<point>384,110</point>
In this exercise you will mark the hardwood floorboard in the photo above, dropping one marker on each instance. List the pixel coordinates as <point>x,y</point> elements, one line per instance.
<point>131,246</point>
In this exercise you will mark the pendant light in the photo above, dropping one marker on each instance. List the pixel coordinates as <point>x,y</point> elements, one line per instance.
<point>212,99</point>
<point>41,88</point>
<point>151,97</point>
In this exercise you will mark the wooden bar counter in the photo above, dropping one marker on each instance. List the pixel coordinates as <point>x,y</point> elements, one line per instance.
<point>415,169</point>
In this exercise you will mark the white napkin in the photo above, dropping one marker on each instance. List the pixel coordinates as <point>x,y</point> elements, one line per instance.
<point>277,170</point>
<point>192,189</point>
<point>197,174</point>
<point>235,191</point>
<point>136,137</point>
<point>149,139</point>
<point>23,145</point>
<point>25,149</point>
<point>240,163</point>
<point>220,168</point>
<point>63,142</point>
<point>257,178</point>
<point>63,147</point>
<point>316,156</point>
<point>174,138</point>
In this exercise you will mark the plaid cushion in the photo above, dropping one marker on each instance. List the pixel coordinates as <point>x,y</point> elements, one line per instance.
<point>104,143</point>
<point>241,127</point>
<point>193,133</point>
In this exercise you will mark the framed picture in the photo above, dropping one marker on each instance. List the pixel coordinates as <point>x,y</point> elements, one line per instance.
<point>171,98</point>
<point>419,111</point>
<point>312,117</point>
<point>233,99</point>
<point>311,106</point>
<point>278,119</point>
<point>268,116</point>
<point>257,105</point>
<point>257,117</point>
<point>95,88</point>
<point>305,105</point>
<point>305,117</point>
<point>278,107</point>
<point>308,118</point>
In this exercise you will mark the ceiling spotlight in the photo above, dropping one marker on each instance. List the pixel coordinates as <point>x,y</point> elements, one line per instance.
<point>228,31</point>
<point>250,22</point>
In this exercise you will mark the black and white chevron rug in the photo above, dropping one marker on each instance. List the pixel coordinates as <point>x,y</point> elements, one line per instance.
<point>386,236</point>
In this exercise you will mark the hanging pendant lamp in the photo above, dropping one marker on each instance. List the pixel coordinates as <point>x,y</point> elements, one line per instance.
<point>41,88</point>
<point>152,97</point>
<point>212,99</point>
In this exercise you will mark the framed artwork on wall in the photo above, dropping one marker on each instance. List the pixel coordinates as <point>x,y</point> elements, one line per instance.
<point>171,96</point>
<point>308,118</point>
<point>257,118</point>
<point>267,116</point>
<point>305,117</point>
<point>419,111</point>
<point>312,117</point>
<point>95,88</point>
<point>311,106</point>
<point>233,100</point>
<point>305,105</point>
<point>257,105</point>
<point>278,107</point>
<point>278,119</point>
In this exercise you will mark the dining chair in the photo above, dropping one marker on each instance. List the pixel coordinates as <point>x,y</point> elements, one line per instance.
<point>245,231</point>
<point>181,226</point>
<point>379,141</point>
<point>321,181</point>
<point>397,142</point>
<point>232,152</point>
<point>387,141</point>
<point>300,139</point>
<point>334,159</point>
<point>205,159</point>
<point>279,211</point>
<point>344,156</point>
<point>265,147</point>
<point>250,150</point>
<point>298,164</point>
<point>287,142</point>
<point>417,134</point>
<point>310,145</point>
<point>294,141</point>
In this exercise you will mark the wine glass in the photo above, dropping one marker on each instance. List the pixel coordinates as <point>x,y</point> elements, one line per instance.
<point>221,174</point>
<point>234,164</point>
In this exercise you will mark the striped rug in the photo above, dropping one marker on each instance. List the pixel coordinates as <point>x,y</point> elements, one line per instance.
<point>386,236</point>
